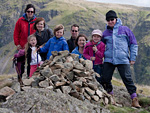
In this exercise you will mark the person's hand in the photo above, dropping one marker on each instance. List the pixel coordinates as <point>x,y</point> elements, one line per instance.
<point>94,48</point>
<point>132,62</point>
<point>18,47</point>
<point>92,58</point>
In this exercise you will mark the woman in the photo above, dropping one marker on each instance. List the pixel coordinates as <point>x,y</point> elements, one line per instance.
<point>80,42</point>
<point>42,34</point>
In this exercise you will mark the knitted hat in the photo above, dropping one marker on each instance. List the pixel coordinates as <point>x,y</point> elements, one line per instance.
<point>111,14</point>
<point>97,32</point>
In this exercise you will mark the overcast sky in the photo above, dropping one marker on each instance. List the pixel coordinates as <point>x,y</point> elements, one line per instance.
<point>143,3</point>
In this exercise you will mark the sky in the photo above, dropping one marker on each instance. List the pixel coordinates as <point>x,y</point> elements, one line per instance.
<point>143,3</point>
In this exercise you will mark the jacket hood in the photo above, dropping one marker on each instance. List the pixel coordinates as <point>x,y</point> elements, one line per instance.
<point>118,23</point>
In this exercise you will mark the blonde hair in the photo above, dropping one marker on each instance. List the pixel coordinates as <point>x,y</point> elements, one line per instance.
<point>28,44</point>
<point>58,27</point>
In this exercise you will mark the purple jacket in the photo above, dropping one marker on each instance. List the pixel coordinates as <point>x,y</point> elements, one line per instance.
<point>20,53</point>
<point>121,44</point>
<point>88,52</point>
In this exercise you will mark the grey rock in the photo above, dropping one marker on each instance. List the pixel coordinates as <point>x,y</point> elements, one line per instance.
<point>54,78</point>
<point>27,82</point>
<point>44,84</point>
<point>57,71</point>
<point>70,75</point>
<point>47,72</point>
<point>69,59</point>
<point>88,64</point>
<point>66,89</point>
<point>16,87</point>
<point>67,67</point>
<point>63,53</point>
<point>7,91</point>
<point>47,101</point>
<point>5,110</point>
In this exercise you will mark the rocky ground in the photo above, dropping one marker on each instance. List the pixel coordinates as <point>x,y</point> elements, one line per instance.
<point>64,84</point>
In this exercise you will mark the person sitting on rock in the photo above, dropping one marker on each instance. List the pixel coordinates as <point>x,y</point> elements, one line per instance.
<point>57,43</point>
<point>80,43</point>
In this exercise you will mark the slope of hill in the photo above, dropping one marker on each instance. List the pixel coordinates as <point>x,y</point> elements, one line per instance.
<point>89,16</point>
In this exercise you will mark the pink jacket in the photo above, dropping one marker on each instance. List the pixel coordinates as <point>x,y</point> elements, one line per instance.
<point>88,52</point>
<point>20,53</point>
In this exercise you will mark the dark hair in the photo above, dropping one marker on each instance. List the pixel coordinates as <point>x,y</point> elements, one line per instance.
<point>81,35</point>
<point>75,25</point>
<point>37,21</point>
<point>58,27</point>
<point>29,6</point>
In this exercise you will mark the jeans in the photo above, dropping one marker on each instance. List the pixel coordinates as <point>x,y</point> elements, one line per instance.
<point>99,70</point>
<point>125,73</point>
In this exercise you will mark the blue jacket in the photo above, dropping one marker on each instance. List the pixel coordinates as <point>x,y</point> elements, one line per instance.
<point>54,44</point>
<point>119,41</point>
<point>76,51</point>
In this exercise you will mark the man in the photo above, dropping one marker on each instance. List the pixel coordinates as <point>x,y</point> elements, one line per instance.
<point>24,28</point>
<point>74,35</point>
<point>119,41</point>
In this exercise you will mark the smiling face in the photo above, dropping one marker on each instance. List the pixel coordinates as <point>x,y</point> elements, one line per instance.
<point>74,32</point>
<point>96,38</point>
<point>59,33</point>
<point>30,13</point>
<point>81,41</point>
<point>112,22</point>
<point>40,26</point>
<point>33,41</point>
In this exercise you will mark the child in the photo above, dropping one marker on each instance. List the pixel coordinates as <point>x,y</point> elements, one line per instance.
<point>19,61</point>
<point>57,43</point>
<point>33,58</point>
<point>94,51</point>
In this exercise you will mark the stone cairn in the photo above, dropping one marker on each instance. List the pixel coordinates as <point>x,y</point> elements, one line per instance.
<point>66,73</point>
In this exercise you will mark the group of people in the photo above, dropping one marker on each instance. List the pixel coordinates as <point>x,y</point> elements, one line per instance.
<point>117,45</point>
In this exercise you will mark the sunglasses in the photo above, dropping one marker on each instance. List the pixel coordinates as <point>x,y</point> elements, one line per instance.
<point>74,31</point>
<point>30,11</point>
<point>112,19</point>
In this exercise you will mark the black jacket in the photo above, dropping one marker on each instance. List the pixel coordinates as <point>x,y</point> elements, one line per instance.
<point>71,44</point>
<point>29,51</point>
<point>46,34</point>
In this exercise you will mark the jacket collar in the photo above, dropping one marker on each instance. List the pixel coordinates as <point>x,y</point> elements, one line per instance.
<point>25,17</point>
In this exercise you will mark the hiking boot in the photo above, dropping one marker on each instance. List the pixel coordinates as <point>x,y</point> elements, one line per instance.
<point>135,103</point>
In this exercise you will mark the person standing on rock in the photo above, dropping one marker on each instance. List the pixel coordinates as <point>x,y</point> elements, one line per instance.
<point>74,35</point>
<point>42,34</point>
<point>121,52</point>
<point>57,43</point>
<point>23,28</point>
<point>94,51</point>
<point>80,43</point>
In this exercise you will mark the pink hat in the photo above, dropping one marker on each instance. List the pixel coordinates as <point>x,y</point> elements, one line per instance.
<point>97,32</point>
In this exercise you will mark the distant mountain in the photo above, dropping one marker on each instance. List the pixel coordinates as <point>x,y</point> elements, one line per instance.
<point>89,16</point>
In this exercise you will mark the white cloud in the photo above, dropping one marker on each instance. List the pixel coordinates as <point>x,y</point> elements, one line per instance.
<point>144,3</point>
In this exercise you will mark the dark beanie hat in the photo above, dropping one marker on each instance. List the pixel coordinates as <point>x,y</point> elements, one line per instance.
<point>111,14</point>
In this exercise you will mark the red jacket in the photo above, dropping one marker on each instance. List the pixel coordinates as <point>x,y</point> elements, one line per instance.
<point>23,29</point>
